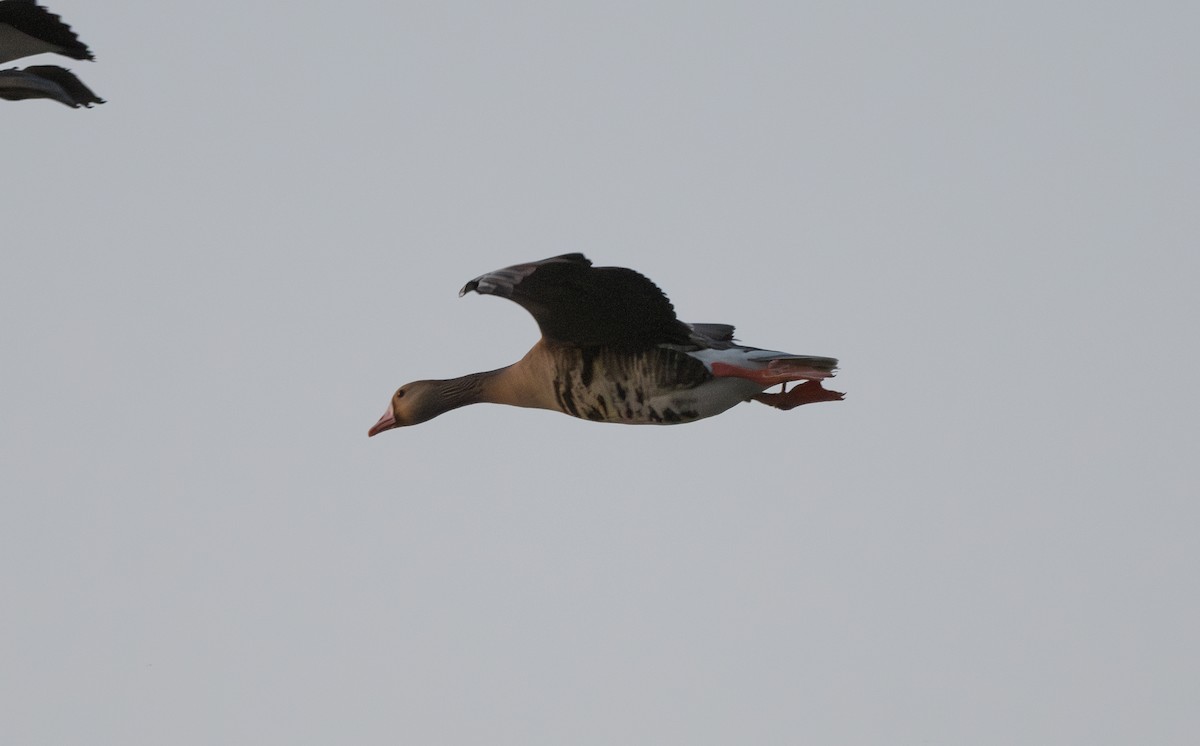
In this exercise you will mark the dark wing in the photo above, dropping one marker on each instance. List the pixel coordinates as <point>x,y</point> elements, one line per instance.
<point>27,28</point>
<point>79,93</point>
<point>578,304</point>
<point>19,85</point>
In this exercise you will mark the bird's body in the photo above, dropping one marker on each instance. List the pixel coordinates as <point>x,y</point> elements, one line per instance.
<point>612,350</point>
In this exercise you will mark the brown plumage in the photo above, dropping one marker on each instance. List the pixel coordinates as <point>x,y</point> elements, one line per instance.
<point>612,350</point>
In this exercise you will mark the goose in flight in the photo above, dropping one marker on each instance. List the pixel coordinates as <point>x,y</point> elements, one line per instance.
<point>612,350</point>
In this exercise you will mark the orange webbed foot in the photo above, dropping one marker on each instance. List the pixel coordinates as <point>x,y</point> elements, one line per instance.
<point>808,392</point>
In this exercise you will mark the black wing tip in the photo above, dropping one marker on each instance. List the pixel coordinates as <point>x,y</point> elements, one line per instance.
<point>69,83</point>
<point>78,51</point>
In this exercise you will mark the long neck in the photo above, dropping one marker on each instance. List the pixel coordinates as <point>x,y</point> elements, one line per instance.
<point>469,389</point>
<point>525,383</point>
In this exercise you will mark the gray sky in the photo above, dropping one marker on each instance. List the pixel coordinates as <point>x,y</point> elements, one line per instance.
<point>213,283</point>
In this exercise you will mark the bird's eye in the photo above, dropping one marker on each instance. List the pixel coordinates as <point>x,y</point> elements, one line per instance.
<point>400,394</point>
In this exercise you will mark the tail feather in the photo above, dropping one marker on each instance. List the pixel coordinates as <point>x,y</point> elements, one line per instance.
<point>713,333</point>
<point>803,366</point>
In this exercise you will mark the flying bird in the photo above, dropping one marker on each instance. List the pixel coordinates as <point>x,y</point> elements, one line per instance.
<point>612,350</point>
<point>27,28</point>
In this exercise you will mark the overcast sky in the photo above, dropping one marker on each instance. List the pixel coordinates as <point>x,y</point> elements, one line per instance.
<point>212,284</point>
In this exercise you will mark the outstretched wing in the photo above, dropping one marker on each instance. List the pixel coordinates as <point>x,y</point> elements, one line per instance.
<point>27,28</point>
<point>46,81</point>
<point>578,304</point>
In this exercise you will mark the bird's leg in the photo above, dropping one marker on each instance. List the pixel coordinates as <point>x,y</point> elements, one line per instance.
<point>783,372</point>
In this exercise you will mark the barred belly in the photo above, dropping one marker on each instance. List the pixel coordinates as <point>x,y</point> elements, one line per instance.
<point>659,386</point>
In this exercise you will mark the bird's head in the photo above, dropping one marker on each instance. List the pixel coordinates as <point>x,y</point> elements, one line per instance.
<point>412,404</point>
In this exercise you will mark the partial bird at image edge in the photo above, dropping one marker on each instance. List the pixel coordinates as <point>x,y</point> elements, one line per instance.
<point>28,29</point>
